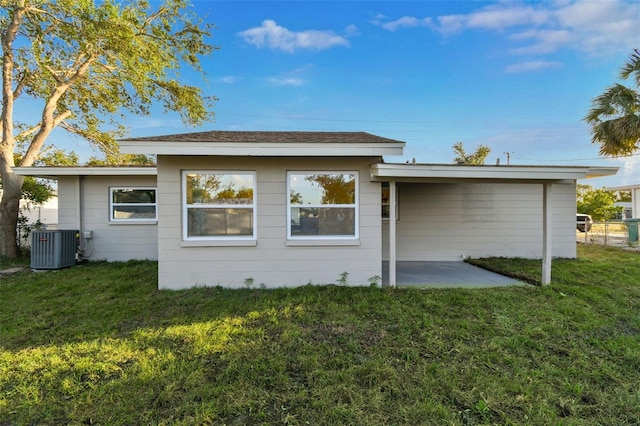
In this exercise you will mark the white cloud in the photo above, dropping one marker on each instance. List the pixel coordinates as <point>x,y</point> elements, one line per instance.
<point>532,66</point>
<point>591,26</point>
<point>286,81</point>
<point>377,18</point>
<point>273,36</point>
<point>492,17</point>
<point>602,25</point>
<point>543,41</point>
<point>629,173</point>
<point>351,30</point>
<point>291,78</point>
<point>229,79</point>
<point>407,22</point>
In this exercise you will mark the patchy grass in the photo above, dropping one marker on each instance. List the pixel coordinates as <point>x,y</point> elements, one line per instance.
<point>99,344</point>
<point>6,263</point>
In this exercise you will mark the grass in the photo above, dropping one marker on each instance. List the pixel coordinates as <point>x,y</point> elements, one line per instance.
<point>612,227</point>
<point>98,344</point>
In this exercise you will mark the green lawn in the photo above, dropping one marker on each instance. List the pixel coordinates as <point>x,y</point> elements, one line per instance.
<point>98,344</point>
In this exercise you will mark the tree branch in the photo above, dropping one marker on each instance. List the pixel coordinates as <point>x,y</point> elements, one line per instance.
<point>29,131</point>
<point>38,140</point>
<point>21,84</point>
<point>49,122</point>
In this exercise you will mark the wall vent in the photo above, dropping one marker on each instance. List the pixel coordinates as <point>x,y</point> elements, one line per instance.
<point>53,249</point>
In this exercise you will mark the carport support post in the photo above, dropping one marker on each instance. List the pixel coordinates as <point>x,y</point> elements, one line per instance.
<point>547,232</point>
<point>392,234</point>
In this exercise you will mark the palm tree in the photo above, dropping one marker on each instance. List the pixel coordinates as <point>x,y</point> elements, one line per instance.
<point>615,115</point>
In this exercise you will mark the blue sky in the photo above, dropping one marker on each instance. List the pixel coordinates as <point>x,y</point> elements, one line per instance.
<point>515,76</point>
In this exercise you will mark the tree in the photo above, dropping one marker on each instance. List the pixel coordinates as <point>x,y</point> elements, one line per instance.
<point>598,203</point>
<point>336,188</point>
<point>87,64</point>
<point>40,190</point>
<point>623,196</point>
<point>475,159</point>
<point>123,160</point>
<point>615,115</point>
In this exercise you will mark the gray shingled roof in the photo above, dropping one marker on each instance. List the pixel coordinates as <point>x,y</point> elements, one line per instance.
<point>270,137</point>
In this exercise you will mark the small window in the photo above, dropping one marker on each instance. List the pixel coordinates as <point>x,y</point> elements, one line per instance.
<point>219,205</point>
<point>133,204</point>
<point>385,201</point>
<point>322,205</point>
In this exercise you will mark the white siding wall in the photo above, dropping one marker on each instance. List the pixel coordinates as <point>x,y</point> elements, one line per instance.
<point>111,241</point>
<point>270,262</point>
<point>68,208</point>
<point>444,222</point>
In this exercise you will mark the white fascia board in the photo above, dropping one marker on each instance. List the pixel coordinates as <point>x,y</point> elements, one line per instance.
<point>419,172</point>
<point>595,172</point>
<point>623,187</point>
<point>53,172</point>
<point>262,149</point>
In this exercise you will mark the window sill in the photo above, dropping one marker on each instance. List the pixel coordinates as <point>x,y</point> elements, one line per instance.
<point>133,222</point>
<point>219,243</point>
<point>328,242</point>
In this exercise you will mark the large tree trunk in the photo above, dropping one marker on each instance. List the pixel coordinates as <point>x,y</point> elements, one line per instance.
<point>9,208</point>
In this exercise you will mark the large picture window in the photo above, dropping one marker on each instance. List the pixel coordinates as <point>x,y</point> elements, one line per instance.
<point>219,205</point>
<point>133,204</point>
<point>322,205</point>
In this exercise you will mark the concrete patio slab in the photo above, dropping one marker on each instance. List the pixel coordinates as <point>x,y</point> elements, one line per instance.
<point>445,275</point>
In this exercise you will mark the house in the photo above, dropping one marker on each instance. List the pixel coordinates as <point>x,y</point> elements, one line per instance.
<point>291,208</point>
<point>634,207</point>
<point>40,213</point>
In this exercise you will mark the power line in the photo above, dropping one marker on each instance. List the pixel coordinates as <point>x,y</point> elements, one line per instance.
<point>588,159</point>
<point>344,120</point>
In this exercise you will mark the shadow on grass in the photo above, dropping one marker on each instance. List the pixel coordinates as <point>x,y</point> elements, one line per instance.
<point>100,300</point>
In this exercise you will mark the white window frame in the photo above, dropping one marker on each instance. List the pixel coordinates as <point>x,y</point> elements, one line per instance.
<point>386,218</point>
<point>355,206</point>
<point>185,207</point>
<point>112,205</point>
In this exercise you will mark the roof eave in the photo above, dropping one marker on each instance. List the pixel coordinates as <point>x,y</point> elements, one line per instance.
<point>55,172</point>
<point>423,173</point>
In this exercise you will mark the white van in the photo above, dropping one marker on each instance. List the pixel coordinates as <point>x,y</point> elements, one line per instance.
<point>583,222</point>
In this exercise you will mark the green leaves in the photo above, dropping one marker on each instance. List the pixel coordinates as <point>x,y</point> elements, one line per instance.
<point>478,157</point>
<point>615,115</point>
<point>99,60</point>
<point>597,202</point>
<point>88,65</point>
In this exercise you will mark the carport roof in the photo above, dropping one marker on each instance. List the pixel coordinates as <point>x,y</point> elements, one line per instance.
<point>403,172</point>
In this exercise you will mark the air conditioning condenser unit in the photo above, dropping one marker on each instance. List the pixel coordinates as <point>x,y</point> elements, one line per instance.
<point>54,249</point>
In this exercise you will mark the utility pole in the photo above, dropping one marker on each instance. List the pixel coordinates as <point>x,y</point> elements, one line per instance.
<point>508,154</point>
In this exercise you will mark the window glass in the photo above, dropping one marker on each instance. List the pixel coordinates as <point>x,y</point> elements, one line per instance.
<point>322,205</point>
<point>133,204</point>
<point>219,205</point>
<point>385,200</point>
<point>219,188</point>
<point>219,222</point>
<point>319,189</point>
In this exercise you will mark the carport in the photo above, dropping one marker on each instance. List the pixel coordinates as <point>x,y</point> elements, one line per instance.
<point>544,177</point>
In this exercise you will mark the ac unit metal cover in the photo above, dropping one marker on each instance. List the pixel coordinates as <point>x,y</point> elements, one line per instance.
<point>54,249</point>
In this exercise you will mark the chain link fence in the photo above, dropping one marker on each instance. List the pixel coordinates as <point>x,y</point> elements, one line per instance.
<point>612,233</point>
<point>23,235</point>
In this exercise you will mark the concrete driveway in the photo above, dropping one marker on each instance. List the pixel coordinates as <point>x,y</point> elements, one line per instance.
<point>445,275</point>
